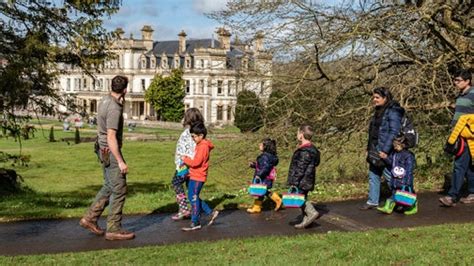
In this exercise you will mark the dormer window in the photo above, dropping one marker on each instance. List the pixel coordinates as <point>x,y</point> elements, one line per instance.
<point>152,62</point>
<point>164,63</point>
<point>188,63</point>
<point>176,63</point>
<point>143,63</point>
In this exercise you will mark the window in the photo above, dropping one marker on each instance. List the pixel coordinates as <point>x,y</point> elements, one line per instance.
<point>201,86</point>
<point>142,108</point>
<point>100,84</point>
<point>93,106</point>
<point>188,63</point>
<point>219,87</point>
<point>84,83</point>
<point>176,63</point>
<point>230,84</point>
<point>229,113</point>
<point>68,84</point>
<point>77,84</point>
<point>220,109</point>
<point>143,63</point>
<point>187,86</point>
<point>152,62</point>
<point>202,63</point>
<point>143,84</point>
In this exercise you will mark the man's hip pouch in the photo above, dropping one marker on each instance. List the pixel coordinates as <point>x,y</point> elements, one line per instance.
<point>104,154</point>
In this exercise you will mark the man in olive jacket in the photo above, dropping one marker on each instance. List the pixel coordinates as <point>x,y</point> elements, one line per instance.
<point>302,172</point>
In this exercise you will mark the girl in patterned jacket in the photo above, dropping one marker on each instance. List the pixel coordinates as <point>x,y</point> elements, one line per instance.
<point>184,147</point>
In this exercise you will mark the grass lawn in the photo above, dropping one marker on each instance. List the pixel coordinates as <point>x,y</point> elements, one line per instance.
<point>434,245</point>
<point>62,178</point>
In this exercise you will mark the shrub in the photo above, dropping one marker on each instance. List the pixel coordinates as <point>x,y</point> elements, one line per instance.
<point>77,138</point>
<point>248,112</point>
<point>51,134</point>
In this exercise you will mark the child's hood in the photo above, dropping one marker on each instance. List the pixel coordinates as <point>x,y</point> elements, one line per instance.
<point>207,143</point>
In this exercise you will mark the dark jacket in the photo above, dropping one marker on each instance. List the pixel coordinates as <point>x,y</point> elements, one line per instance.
<point>390,127</point>
<point>302,172</point>
<point>265,162</point>
<point>404,159</point>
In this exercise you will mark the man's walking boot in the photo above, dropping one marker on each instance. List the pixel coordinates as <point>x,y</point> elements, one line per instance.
<point>388,206</point>
<point>256,208</point>
<point>119,235</point>
<point>311,215</point>
<point>276,198</point>
<point>91,226</point>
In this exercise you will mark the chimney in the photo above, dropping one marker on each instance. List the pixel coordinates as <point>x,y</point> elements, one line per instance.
<point>182,42</point>
<point>147,33</point>
<point>119,32</point>
<point>259,41</point>
<point>224,38</point>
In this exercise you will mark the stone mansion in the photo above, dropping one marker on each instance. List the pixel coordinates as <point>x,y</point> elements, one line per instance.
<point>214,72</point>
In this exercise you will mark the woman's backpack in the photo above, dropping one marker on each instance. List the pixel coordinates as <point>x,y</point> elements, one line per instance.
<point>409,132</point>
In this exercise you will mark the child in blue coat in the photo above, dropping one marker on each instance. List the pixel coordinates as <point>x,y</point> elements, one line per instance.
<point>399,174</point>
<point>265,170</point>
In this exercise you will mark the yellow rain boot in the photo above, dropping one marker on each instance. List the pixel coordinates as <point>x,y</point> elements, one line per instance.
<point>276,198</point>
<point>256,208</point>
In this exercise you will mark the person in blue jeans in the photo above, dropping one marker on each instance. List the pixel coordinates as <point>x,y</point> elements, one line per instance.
<point>384,126</point>
<point>463,167</point>
<point>198,168</point>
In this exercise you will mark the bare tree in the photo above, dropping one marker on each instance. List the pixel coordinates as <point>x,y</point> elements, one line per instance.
<point>330,57</point>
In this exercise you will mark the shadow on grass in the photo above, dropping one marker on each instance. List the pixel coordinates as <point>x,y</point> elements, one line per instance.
<point>133,188</point>
<point>29,204</point>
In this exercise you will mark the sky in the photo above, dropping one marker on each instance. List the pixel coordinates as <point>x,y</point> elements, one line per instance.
<point>167,18</point>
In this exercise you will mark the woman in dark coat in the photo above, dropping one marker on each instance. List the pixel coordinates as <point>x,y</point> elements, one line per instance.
<point>384,127</point>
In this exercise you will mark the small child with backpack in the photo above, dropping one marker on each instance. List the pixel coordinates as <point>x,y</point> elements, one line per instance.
<point>265,172</point>
<point>399,175</point>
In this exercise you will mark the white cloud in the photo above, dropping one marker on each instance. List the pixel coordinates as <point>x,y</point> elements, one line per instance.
<point>207,6</point>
